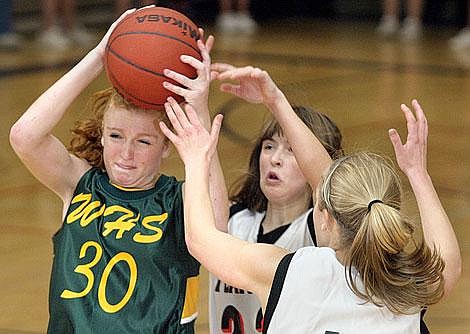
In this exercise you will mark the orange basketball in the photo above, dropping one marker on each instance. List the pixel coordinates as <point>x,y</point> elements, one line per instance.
<point>142,46</point>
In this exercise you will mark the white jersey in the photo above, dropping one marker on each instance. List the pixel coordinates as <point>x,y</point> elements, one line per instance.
<point>310,295</point>
<point>233,310</point>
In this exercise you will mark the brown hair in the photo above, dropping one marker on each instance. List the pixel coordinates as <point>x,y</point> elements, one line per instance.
<point>86,135</point>
<point>246,189</point>
<point>396,270</point>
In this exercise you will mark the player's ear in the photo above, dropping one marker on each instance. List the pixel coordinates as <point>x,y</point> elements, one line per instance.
<point>102,141</point>
<point>328,221</point>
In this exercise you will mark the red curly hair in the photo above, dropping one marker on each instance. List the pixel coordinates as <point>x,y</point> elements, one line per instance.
<point>87,133</point>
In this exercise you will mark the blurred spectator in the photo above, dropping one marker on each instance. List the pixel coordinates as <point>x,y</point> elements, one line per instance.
<point>9,40</point>
<point>122,5</point>
<point>234,16</point>
<point>462,39</point>
<point>390,24</point>
<point>60,26</point>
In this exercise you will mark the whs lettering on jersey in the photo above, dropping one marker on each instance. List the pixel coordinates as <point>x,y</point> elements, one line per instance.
<point>89,210</point>
<point>230,289</point>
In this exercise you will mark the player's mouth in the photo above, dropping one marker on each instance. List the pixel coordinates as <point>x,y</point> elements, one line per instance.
<point>124,166</point>
<point>273,177</point>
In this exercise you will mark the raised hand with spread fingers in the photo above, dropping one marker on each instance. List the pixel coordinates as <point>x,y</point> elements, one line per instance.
<point>412,160</point>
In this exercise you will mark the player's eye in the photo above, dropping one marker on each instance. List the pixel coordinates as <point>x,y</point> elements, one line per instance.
<point>267,146</point>
<point>146,142</point>
<point>115,135</point>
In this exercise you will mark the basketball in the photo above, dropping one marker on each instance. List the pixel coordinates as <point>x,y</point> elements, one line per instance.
<point>141,46</point>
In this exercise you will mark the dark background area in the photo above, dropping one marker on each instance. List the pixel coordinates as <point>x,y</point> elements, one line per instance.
<point>436,12</point>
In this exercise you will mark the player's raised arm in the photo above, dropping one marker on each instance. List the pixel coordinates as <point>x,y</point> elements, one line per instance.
<point>234,261</point>
<point>256,86</point>
<point>31,136</point>
<point>411,158</point>
<point>196,93</point>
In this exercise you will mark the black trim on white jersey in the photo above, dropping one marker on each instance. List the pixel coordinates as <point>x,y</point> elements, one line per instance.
<point>311,228</point>
<point>236,208</point>
<point>422,326</point>
<point>276,288</point>
<point>272,236</point>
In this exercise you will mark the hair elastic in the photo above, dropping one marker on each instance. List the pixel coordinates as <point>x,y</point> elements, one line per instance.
<point>369,206</point>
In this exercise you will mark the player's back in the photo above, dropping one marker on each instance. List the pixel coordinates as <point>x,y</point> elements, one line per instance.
<point>315,298</point>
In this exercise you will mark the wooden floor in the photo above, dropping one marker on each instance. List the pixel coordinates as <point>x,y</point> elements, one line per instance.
<point>341,69</point>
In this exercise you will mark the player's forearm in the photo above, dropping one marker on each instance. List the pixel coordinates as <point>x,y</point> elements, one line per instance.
<point>44,114</point>
<point>437,229</point>
<point>309,152</point>
<point>217,186</point>
<point>218,194</point>
<point>218,252</point>
<point>198,212</point>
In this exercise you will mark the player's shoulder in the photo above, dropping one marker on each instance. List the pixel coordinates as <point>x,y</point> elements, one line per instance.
<point>323,259</point>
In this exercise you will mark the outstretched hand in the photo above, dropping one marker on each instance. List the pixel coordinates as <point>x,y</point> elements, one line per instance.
<point>194,143</point>
<point>411,156</point>
<point>254,85</point>
<point>195,91</point>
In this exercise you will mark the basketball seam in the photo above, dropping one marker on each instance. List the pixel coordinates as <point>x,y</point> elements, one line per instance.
<point>135,65</point>
<point>152,33</point>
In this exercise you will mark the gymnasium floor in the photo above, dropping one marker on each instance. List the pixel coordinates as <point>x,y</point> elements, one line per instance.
<point>341,69</point>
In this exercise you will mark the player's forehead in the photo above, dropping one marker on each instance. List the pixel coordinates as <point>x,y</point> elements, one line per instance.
<point>276,137</point>
<point>131,120</point>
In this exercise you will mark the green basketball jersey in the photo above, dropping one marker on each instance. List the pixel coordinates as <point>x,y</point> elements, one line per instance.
<point>120,261</point>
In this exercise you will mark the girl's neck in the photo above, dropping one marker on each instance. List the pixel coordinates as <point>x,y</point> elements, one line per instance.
<point>278,215</point>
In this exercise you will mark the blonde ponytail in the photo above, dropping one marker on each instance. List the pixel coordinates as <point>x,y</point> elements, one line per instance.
<point>385,264</point>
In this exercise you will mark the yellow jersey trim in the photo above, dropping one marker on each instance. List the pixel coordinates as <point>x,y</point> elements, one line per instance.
<point>191,300</point>
<point>126,189</point>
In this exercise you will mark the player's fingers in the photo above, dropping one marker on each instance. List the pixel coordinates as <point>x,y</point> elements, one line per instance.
<point>215,129</point>
<point>178,77</point>
<point>396,141</point>
<point>421,120</point>
<point>182,118</point>
<point>191,115</point>
<point>175,89</point>
<point>229,88</point>
<point>422,127</point>
<point>237,73</point>
<point>173,118</point>
<point>214,75</point>
<point>210,43</point>
<point>167,132</point>
<point>200,67</point>
<point>206,58</point>
<point>225,75</point>
<point>221,67</point>
<point>410,123</point>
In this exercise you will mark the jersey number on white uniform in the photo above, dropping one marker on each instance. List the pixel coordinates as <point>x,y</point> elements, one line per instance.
<point>232,321</point>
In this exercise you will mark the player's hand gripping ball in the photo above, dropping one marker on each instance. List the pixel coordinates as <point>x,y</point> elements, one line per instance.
<point>141,46</point>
